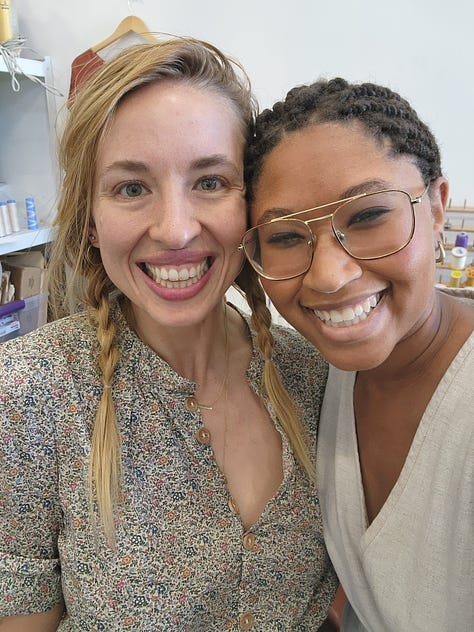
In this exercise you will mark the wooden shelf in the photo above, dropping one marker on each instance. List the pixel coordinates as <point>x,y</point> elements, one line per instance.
<point>446,266</point>
<point>451,246</point>
<point>460,229</point>
<point>460,209</point>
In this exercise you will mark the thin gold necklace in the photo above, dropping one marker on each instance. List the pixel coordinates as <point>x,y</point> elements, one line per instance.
<point>226,374</point>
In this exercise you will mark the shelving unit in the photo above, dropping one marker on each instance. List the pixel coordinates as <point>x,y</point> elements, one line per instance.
<point>28,150</point>
<point>458,219</point>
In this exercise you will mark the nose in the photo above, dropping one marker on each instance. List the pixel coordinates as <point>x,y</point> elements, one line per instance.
<point>332,267</point>
<point>175,221</point>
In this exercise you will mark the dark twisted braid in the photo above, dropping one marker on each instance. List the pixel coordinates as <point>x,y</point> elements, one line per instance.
<point>385,115</point>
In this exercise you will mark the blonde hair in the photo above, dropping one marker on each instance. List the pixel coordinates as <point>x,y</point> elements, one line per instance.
<point>180,59</point>
<point>284,407</point>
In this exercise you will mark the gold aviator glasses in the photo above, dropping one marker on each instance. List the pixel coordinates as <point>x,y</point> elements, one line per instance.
<point>368,226</point>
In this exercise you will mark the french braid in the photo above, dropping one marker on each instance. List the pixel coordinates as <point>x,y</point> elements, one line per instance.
<point>285,409</point>
<point>383,113</point>
<point>86,284</point>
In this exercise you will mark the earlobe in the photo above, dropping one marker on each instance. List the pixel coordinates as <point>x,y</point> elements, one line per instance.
<point>439,191</point>
<point>93,239</point>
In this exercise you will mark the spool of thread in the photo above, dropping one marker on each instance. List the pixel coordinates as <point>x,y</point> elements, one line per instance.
<point>13,213</point>
<point>5,218</point>
<point>455,278</point>
<point>2,227</point>
<point>458,258</point>
<point>31,219</point>
<point>462,240</point>
<point>470,277</point>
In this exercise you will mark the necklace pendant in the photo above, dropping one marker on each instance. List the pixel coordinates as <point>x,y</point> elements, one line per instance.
<point>204,407</point>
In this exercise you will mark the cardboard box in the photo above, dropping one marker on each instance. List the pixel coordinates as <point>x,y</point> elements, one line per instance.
<point>27,281</point>
<point>28,273</point>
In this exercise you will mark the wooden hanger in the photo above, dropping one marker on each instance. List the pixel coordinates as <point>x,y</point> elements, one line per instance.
<point>130,23</point>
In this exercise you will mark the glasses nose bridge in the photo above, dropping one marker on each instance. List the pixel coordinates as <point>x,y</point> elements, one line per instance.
<point>328,216</point>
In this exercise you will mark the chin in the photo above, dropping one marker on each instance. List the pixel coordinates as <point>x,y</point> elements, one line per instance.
<point>353,357</point>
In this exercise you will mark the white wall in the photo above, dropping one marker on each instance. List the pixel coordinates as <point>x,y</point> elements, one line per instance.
<point>422,48</point>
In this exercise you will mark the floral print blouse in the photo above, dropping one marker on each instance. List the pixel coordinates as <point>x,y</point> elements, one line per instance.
<point>183,560</point>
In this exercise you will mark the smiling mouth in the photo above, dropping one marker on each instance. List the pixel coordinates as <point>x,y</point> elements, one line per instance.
<point>171,277</point>
<point>349,315</point>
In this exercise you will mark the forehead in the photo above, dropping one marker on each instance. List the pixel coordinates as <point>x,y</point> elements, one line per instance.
<point>319,163</point>
<point>174,111</point>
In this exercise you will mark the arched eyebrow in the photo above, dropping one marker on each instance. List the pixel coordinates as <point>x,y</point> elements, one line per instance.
<point>212,161</point>
<point>274,213</point>
<point>135,166</point>
<point>206,162</point>
<point>369,186</point>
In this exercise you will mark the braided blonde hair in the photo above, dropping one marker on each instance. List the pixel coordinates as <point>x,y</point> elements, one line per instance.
<point>87,285</point>
<point>283,405</point>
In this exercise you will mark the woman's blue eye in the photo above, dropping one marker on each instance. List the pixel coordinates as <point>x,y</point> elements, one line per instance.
<point>210,184</point>
<point>132,189</point>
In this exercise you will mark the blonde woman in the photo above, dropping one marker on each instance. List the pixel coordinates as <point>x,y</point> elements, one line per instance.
<point>155,475</point>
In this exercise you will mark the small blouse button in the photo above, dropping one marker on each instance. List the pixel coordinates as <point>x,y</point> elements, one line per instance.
<point>249,541</point>
<point>203,435</point>
<point>191,404</point>
<point>233,506</point>
<point>246,621</point>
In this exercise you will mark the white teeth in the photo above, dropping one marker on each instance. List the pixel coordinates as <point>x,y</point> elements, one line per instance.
<point>336,317</point>
<point>174,278</point>
<point>348,315</point>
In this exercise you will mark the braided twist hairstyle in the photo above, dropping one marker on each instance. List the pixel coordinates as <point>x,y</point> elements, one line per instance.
<point>384,114</point>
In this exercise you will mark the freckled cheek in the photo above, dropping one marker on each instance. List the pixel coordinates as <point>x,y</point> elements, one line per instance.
<point>116,230</point>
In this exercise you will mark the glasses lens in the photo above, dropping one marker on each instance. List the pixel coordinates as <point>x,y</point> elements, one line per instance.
<point>280,249</point>
<point>376,225</point>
